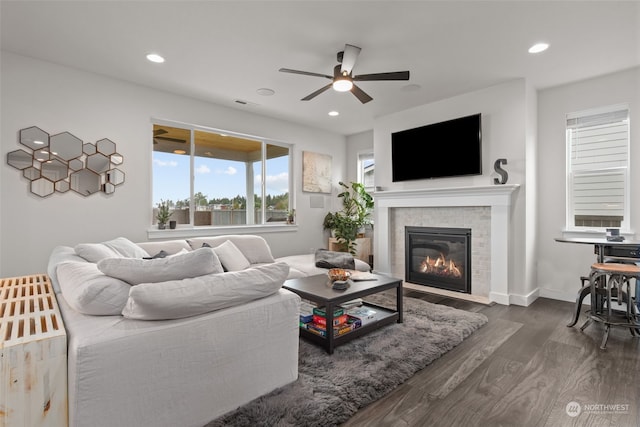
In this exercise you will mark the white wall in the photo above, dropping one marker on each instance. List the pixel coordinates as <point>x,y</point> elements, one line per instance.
<point>561,264</point>
<point>91,106</point>
<point>506,133</point>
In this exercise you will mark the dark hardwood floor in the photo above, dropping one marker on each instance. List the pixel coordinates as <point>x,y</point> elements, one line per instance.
<point>523,368</point>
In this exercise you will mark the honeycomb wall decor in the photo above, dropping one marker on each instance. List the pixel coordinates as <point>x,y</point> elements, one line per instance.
<point>62,162</point>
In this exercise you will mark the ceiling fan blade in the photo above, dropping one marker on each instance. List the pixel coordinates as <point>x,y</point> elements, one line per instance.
<point>316,93</point>
<point>395,75</point>
<point>168,139</point>
<point>349,58</point>
<point>360,94</point>
<point>304,73</point>
<point>159,131</point>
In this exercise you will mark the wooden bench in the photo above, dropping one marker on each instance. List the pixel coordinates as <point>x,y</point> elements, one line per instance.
<point>33,354</point>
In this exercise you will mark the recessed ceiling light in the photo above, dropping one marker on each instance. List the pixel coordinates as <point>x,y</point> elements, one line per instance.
<point>179,152</point>
<point>265,91</point>
<point>154,57</point>
<point>333,113</point>
<point>538,47</point>
<point>411,88</point>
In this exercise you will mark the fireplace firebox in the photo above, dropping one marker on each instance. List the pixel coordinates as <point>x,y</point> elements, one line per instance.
<point>438,257</point>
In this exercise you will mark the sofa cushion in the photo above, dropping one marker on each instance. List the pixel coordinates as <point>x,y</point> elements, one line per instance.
<point>169,246</point>
<point>185,265</point>
<point>189,297</point>
<point>120,247</point>
<point>59,255</point>
<point>231,257</point>
<point>254,248</point>
<point>89,291</point>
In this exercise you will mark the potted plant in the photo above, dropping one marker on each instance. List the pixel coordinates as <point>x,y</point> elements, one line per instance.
<point>291,216</point>
<point>347,223</point>
<point>163,214</point>
<point>329,223</point>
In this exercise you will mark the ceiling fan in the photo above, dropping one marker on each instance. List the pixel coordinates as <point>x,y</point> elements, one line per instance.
<point>343,80</point>
<point>160,131</point>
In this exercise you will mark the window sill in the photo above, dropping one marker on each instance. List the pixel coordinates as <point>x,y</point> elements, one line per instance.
<point>586,233</point>
<point>190,231</point>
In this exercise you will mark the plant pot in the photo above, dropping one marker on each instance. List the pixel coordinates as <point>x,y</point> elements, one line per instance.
<point>162,226</point>
<point>172,224</point>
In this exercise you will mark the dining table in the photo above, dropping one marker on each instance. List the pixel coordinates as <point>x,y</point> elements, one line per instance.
<point>623,250</point>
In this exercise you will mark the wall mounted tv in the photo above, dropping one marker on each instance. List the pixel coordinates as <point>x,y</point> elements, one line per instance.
<point>445,149</point>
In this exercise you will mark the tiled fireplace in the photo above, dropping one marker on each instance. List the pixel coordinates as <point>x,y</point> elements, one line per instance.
<point>482,211</point>
<point>438,257</point>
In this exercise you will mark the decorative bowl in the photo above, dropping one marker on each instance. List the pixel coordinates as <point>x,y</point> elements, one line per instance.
<point>338,274</point>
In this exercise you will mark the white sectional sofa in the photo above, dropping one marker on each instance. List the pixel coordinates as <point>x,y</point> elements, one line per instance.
<point>187,369</point>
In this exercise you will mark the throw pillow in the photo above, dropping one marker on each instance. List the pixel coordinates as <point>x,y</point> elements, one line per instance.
<point>254,248</point>
<point>135,271</point>
<point>333,259</point>
<point>120,247</point>
<point>89,291</point>
<point>231,257</point>
<point>177,299</point>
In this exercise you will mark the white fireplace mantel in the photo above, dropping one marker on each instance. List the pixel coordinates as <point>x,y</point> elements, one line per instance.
<point>497,197</point>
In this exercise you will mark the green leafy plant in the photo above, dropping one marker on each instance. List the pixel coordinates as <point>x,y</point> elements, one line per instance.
<point>346,224</point>
<point>163,213</point>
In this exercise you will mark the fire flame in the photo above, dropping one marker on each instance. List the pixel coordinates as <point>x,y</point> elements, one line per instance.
<point>440,266</point>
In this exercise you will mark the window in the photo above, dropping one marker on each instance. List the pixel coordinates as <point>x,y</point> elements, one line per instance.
<point>598,168</point>
<point>214,178</point>
<point>366,170</point>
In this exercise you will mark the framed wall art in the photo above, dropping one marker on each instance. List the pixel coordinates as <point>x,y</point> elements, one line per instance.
<point>316,172</point>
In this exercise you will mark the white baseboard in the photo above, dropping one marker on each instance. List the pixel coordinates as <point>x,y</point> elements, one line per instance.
<point>524,300</point>
<point>560,295</point>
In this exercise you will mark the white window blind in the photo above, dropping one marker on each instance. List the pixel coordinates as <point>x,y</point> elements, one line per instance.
<point>598,145</point>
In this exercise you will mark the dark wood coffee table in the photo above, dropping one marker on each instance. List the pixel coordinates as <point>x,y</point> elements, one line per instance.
<point>318,289</point>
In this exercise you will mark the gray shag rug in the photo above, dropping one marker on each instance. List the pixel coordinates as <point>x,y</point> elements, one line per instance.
<point>331,388</point>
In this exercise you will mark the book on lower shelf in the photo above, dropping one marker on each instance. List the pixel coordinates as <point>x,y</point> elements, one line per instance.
<point>364,314</point>
<point>306,312</point>
<point>321,311</point>
<point>353,303</point>
<point>337,321</point>
<point>344,328</point>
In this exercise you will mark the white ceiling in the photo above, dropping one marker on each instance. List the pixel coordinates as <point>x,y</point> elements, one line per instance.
<point>223,51</point>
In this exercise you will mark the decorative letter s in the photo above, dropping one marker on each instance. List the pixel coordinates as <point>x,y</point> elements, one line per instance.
<point>503,173</point>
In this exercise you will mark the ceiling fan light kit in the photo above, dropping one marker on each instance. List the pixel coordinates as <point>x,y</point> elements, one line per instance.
<point>342,84</point>
<point>342,79</point>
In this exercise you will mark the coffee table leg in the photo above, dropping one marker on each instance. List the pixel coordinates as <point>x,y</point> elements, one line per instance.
<point>329,327</point>
<point>399,297</point>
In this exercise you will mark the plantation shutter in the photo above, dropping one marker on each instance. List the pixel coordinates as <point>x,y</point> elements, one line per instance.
<point>598,161</point>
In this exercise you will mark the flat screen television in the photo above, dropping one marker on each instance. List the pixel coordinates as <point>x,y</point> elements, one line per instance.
<point>444,149</point>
